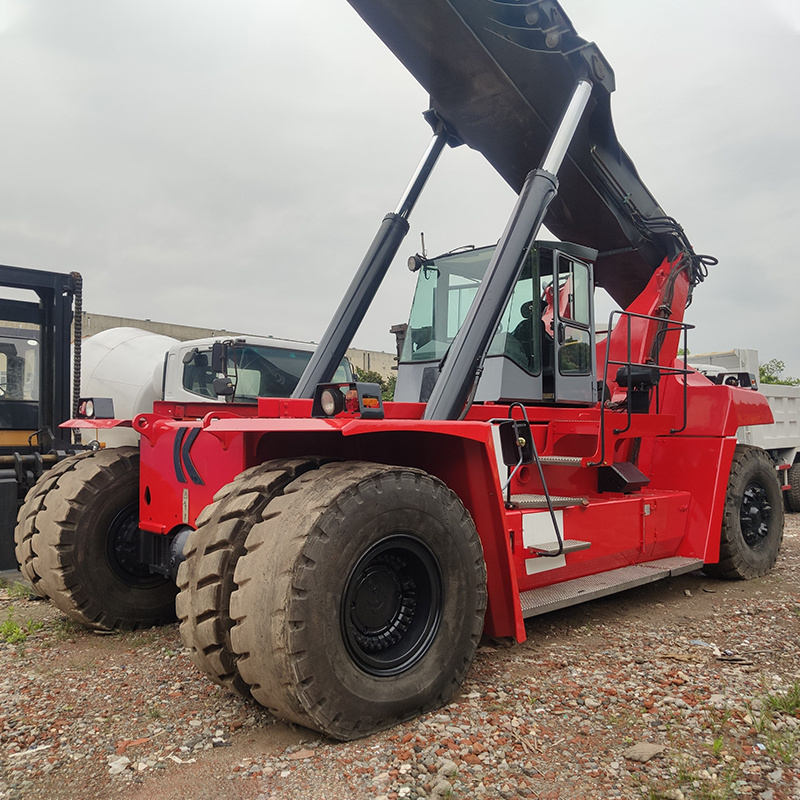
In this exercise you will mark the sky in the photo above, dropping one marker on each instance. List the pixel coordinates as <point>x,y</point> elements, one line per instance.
<point>226,164</point>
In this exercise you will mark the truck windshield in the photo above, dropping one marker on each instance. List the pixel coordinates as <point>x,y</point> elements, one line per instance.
<point>256,371</point>
<point>19,368</point>
<point>446,287</point>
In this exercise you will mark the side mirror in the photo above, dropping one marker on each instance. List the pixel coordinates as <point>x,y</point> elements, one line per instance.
<point>223,387</point>
<point>189,355</point>
<point>219,358</point>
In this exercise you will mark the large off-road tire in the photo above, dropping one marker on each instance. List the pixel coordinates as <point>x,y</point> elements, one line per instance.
<point>793,495</point>
<point>752,523</point>
<point>360,598</point>
<point>86,547</point>
<point>27,518</point>
<point>205,578</point>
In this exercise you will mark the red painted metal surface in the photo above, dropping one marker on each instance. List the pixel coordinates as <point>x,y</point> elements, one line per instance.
<point>95,424</point>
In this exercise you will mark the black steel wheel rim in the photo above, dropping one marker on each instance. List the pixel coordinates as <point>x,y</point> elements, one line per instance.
<point>392,606</point>
<point>754,514</point>
<point>122,549</point>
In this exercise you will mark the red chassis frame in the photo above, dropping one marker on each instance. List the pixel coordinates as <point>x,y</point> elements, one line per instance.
<point>184,462</point>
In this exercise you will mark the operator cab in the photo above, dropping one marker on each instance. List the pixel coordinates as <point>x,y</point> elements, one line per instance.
<point>544,348</point>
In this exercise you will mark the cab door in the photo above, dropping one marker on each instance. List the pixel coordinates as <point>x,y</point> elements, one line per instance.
<point>571,300</point>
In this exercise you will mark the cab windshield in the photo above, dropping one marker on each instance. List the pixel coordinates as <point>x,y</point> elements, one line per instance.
<point>446,287</point>
<point>255,370</point>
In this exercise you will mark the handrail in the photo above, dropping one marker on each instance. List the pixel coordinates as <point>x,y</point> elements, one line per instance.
<point>667,327</point>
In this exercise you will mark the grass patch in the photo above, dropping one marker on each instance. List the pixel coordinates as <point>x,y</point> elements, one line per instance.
<point>64,629</point>
<point>11,632</point>
<point>695,782</point>
<point>787,701</point>
<point>16,589</point>
<point>782,742</point>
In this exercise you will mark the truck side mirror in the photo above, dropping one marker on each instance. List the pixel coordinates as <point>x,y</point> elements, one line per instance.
<point>219,358</point>
<point>223,387</point>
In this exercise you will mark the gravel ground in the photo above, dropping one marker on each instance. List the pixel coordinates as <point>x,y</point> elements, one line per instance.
<point>689,688</point>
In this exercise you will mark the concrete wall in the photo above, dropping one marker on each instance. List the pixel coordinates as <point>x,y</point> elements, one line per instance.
<point>377,361</point>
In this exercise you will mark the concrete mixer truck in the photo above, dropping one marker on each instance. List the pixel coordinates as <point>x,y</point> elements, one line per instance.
<point>135,369</point>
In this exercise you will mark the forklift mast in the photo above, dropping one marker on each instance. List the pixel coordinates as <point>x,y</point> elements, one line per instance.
<point>49,319</point>
<point>36,383</point>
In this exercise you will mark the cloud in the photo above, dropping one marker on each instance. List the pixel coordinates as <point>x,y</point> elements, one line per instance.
<point>227,164</point>
<point>788,11</point>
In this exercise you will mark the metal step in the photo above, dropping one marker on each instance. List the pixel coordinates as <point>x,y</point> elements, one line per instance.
<point>566,461</point>
<point>540,501</point>
<point>578,590</point>
<point>570,546</point>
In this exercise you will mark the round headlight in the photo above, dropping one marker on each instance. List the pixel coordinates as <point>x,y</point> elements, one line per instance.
<point>89,408</point>
<point>328,402</point>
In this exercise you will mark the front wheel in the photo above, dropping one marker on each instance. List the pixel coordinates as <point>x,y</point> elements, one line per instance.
<point>41,494</point>
<point>205,578</point>
<point>86,546</point>
<point>752,525</point>
<point>360,599</point>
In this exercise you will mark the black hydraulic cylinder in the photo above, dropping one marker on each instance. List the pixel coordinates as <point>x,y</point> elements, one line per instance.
<point>348,317</point>
<point>365,284</point>
<point>460,370</point>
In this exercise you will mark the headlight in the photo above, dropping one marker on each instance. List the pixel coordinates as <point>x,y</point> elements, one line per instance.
<point>96,408</point>
<point>356,399</point>
<point>331,402</point>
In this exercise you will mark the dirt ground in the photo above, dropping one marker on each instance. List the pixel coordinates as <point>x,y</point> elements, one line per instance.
<point>685,666</point>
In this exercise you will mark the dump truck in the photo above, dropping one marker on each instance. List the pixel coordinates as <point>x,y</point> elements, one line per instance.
<point>337,558</point>
<point>781,439</point>
<point>36,383</point>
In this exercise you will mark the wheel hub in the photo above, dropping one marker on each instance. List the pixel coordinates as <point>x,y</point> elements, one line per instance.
<point>122,549</point>
<point>755,514</point>
<point>392,606</point>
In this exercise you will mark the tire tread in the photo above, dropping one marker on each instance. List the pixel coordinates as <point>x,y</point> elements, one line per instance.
<point>205,577</point>
<point>61,538</point>
<point>271,653</point>
<point>735,562</point>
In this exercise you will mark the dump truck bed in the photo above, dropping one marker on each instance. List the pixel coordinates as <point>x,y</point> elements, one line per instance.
<point>500,74</point>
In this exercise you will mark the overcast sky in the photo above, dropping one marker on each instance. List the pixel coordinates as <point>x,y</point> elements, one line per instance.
<point>226,164</point>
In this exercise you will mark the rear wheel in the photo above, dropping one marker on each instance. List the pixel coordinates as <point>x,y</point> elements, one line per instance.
<point>793,494</point>
<point>87,546</point>
<point>361,599</point>
<point>205,578</point>
<point>27,520</point>
<point>752,526</point>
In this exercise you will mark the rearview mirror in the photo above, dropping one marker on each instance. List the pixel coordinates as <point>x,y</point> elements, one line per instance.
<point>219,358</point>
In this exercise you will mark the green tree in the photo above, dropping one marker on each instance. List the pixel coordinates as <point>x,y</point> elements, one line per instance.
<point>370,376</point>
<point>772,372</point>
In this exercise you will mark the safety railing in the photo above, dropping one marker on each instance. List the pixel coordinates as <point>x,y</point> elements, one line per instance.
<point>619,324</point>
